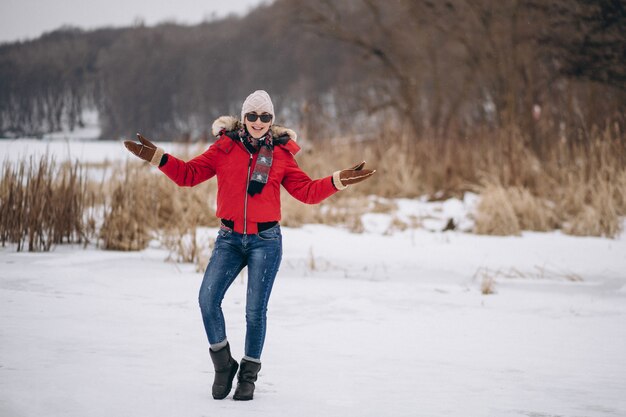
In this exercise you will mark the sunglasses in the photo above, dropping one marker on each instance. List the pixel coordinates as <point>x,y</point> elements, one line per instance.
<point>265,118</point>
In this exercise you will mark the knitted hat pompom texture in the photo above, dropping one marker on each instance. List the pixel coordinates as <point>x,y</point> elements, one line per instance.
<point>259,102</point>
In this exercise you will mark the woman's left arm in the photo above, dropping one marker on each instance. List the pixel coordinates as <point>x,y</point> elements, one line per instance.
<point>303,188</point>
<point>309,191</point>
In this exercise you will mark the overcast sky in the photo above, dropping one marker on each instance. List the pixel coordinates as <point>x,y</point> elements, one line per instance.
<point>27,19</point>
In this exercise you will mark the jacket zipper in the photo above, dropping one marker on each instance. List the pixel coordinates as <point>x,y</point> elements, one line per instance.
<point>245,202</point>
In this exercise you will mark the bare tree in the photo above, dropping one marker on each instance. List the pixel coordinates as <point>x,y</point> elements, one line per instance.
<point>585,39</point>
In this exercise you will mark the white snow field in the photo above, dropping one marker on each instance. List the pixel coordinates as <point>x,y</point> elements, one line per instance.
<point>358,325</point>
<point>364,324</point>
<point>87,151</point>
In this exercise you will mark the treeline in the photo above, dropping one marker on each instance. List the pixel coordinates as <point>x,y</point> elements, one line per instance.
<point>169,80</point>
<point>438,69</point>
<point>447,67</point>
<point>47,82</point>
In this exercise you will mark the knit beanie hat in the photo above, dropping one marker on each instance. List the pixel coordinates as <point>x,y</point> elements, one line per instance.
<point>259,102</point>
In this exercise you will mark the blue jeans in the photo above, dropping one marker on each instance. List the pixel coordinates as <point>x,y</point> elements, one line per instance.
<point>262,254</point>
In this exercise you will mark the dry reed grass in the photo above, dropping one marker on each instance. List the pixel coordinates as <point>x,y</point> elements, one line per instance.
<point>127,218</point>
<point>146,205</point>
<point>496,213</point>
<point>509,210</point>
<point>43,203</point>
<point>488,285</point>
<point>577,187</point>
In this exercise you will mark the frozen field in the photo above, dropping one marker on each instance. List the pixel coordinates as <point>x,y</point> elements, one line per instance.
<point>87,151</point>
<point>359,325</point>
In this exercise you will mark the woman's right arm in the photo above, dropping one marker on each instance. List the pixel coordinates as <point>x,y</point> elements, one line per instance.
<point>193,172</point>
<point>185,174</point>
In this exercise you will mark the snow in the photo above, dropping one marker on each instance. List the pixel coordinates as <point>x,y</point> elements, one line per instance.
<point>432,216</point>
<point>86,151</point>
<point>385,322</point>
<point>80,144</point>
<point>364,324</point>
<point>90,129</point>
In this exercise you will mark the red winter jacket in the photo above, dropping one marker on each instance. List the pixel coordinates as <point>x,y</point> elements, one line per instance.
<point>230,160</point>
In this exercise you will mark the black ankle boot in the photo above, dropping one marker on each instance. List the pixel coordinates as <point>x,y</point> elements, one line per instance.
<point>225,370</point>
<point>246,378</point>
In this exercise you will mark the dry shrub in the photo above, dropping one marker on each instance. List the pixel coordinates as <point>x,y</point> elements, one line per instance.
<point>590,193</point>
<point>145,204</point>
<point>505,211</point>
<point>487,285</point>
<point>398,174</point>
<point>296,214</point>
<point>619,192</point>
<point>42,204</point>
<point>442,168</point>
<point>533,213</point>
<point>487,280</point>
<point>598,216</point>
<point>179,211</point>
<point>495,213</point>
<point>579,187</point>
<point>128,217</point>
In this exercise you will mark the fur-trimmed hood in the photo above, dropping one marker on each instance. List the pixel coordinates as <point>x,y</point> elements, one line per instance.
<point>230,123</point>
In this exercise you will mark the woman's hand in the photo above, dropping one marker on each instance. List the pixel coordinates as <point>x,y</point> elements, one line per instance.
<point>145,150</point>
<point>350,176</point>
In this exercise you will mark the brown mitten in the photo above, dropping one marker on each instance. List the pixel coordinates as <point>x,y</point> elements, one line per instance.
<point>146,150</point>
<point>350,176</point>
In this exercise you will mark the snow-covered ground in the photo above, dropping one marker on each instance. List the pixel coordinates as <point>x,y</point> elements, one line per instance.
<point>86,151</point>
<point>371,324</point>
<point>359,325</point>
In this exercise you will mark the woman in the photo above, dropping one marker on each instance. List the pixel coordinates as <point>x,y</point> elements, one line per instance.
<point>251,158</point>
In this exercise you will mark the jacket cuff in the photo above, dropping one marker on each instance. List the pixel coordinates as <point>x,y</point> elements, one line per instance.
<point>156,158</point>
<point>337,181</point>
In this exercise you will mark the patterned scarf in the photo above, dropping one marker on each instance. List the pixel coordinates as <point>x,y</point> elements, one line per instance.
<point>265,147</point>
